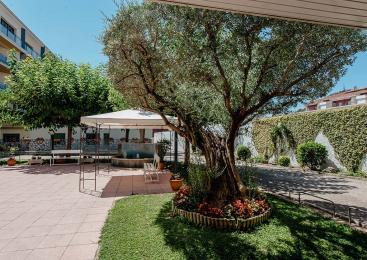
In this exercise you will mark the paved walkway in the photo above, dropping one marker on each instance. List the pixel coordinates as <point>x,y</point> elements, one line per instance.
<point>44,216</point>
<point>343,191</point>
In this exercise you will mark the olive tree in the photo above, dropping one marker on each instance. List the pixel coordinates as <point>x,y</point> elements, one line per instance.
<point>216,71</point>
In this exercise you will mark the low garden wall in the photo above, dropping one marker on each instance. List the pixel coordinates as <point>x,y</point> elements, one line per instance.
<point>222,223</point>
<point>343,131</point>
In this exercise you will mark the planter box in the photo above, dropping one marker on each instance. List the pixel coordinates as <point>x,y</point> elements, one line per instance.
<point>35,161</point>
<point>221,223</point>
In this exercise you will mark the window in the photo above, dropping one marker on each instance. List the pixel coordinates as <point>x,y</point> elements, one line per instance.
<point>361,99</point>
<point>340,103</point>
<point>312,107</point>
<point>59,138</point>
<point>106,138</point>
<point>28,47</point>
<point>11,138</point>
<point>91,138</point>
<point>7,26</point>
<point>322,105</point>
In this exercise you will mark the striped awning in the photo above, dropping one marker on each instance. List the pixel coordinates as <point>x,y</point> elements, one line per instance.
<point>350,13</point>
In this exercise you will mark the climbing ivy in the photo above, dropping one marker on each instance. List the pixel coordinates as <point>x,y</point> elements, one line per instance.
<point>346,129</point>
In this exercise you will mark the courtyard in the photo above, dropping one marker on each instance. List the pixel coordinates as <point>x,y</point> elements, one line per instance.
<point>44,216</point>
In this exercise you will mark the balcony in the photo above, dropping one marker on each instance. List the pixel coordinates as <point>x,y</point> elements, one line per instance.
<point>4,60</point>
<point>2,86</point>
<point>17,41</point>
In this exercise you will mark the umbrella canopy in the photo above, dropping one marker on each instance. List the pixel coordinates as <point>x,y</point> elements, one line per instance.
<point>131,119</point>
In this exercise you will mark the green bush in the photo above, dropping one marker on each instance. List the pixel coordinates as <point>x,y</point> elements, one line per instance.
<point>311,154</point>
<point>259,159</point>
<point>284,161</point>
<point>243,153</point>
<point>163,147</point>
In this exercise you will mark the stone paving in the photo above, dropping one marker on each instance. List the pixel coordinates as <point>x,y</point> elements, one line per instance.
<point>44,216</point>
<point>343,191</point>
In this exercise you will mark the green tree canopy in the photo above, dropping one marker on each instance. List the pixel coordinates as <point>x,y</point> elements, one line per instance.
<point>216,71</point>
<point>53,92</point>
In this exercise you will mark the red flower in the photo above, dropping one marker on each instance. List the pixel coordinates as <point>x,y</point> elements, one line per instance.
<point>242,209</point>
<point>207,210</point>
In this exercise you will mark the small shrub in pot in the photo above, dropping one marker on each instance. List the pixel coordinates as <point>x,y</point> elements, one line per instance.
<point>311,154</point>
<point>284,161</point>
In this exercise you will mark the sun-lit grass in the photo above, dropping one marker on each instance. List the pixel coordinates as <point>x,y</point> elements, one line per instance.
<point>140,227</point>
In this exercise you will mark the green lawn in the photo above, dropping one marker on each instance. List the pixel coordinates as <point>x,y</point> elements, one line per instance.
<point>140,227</point>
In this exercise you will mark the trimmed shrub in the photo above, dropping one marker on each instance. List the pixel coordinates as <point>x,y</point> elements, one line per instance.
<point>243,153</point>
<point>259,159</point>
<point>311,154</point>
<point>284,161</point>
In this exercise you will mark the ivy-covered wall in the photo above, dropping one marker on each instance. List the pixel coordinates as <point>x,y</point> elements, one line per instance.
<point>346,129</point>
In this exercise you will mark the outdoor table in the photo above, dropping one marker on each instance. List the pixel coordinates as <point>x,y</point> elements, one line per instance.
<point>69,155</point>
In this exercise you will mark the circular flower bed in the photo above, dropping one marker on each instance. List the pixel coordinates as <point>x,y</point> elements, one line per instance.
<point>237,215</point>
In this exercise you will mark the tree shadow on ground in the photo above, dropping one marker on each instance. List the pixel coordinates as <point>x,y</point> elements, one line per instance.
<point>291,233</point>
<point>276,180</point>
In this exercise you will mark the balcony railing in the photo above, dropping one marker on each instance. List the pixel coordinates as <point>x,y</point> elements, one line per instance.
<point>17,41</point>
<point>2,86</point>
<point>4,59</point>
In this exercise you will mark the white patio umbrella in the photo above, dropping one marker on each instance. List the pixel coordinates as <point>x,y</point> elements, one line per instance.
<point>131,119</point>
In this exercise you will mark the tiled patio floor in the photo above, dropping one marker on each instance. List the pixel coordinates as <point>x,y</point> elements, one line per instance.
<point>44,216</point>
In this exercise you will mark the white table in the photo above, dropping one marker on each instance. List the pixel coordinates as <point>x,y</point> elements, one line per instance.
<point>71,155</point>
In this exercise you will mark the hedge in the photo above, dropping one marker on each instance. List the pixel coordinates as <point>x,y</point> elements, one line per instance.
<point>346,129</point>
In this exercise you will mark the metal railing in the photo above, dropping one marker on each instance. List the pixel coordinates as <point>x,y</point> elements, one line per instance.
<point>349,217</point>
<point>350,214</point>
<point>4,59</point>
<point>318,197</point>
<point>17,41</point>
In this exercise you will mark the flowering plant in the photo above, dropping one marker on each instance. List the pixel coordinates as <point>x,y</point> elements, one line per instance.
<point>240,208</point>
<point>182,196</point>
<point>207,210</point>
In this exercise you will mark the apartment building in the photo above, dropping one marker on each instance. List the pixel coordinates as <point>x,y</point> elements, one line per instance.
<point>350,97</point>
<point>14,34</point>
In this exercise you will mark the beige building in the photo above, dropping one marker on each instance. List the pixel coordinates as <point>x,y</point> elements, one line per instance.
<point>14,34</point>
<point>350,97</point>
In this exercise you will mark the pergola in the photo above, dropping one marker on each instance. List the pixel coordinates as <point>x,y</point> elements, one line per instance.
<point>126,119</point>
<point>349,13</point>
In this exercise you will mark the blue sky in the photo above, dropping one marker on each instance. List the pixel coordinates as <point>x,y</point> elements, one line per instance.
<point>71,28</point>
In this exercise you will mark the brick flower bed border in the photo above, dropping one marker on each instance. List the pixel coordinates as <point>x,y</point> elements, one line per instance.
<point>221,223</point>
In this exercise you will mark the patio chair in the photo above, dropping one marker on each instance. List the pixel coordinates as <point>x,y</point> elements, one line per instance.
<point>151,171</point>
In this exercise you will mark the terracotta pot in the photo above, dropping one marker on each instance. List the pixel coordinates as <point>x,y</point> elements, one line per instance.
<point>161,166</point>
<point>175,184</point>
<point>11,162</point>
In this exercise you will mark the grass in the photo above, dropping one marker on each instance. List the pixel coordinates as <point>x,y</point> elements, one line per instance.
<point>353,174</point>
<point>140,227</point>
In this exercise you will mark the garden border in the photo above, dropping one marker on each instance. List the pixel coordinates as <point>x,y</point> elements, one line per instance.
<point>221,223</point>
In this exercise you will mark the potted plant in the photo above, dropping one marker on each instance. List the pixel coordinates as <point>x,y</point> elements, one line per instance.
<point>162,148</point>
<point>12,161</point>
<point>176,182</point>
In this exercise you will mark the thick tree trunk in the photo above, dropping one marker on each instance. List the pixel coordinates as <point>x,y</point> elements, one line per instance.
<point>187,152</point>
<point>69,138</point>
<point>226,185</point>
